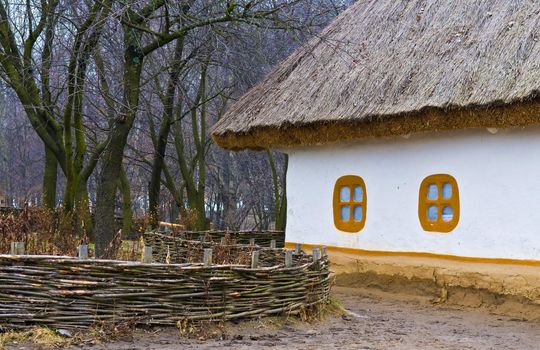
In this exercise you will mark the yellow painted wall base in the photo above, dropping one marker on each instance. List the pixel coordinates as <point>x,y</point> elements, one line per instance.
<point>512,286</point>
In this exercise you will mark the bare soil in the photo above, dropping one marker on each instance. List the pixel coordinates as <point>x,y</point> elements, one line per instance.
<point>374,320</point>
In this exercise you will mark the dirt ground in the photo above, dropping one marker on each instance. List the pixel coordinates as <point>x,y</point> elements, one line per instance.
<point>374,320</point>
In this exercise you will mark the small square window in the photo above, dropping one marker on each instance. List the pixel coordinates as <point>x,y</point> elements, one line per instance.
<point>432,213</point>
<point>433,192</point>
<point>345,213</point>
<point>358,213</point>
<point>446,190</point>
<point>358,194</point>
<point>345,194</point>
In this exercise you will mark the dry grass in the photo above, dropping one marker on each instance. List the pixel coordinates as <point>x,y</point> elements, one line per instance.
<point>42,336</point>
<point>42,231</point>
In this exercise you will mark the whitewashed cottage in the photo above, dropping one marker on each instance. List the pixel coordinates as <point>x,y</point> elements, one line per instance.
<point>411,127</point>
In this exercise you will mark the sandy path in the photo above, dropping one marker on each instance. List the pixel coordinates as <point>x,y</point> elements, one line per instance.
<point>374,323</point>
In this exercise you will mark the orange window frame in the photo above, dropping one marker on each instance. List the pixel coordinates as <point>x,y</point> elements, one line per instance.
<point>350,181</point>
<point>439,225</point>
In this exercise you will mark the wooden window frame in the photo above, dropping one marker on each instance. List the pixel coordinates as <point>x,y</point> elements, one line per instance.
<point>424,202</point>
<point>350,181</point>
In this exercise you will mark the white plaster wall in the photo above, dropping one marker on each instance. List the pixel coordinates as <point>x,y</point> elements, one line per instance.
<point>498,177</point>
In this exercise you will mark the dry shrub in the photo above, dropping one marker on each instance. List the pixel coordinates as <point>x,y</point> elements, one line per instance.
<point>43,231</point>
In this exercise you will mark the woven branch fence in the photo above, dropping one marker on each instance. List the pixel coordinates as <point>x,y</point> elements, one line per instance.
<point>65,292</point>
<point>262,238</point>
<point>175,249</point>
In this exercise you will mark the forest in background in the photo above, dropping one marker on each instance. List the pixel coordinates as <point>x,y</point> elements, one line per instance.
<point>105,108</point>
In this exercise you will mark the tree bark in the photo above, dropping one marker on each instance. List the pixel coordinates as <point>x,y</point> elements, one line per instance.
<point>106,188</point>
<point>50,179</point>
<point>127,213</point>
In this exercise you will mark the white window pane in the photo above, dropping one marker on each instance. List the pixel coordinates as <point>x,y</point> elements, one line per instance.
<point>433,191</point>
<point>345,213</point>
<point>447,213</point>
<point>432,213</point>
<point>446,190</point>
<point>345,194</point>
<point>358,213</point>
<point>358,194</point>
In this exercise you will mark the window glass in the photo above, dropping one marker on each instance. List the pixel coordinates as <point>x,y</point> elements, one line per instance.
<point>350,203</point>
<point>358,194</point>
<point>357,213</point>
<point>447,213</point>
<point>446,190</point>
<point>433,191</point>
<point>438,203</point>
<point>432,213</point>
<point>345,195</point>
<point>345,213</point>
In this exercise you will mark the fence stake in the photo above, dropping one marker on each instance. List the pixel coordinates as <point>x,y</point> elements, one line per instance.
<point>255,259</point>
<point>147,258</point>
<point>17,248</point>
<point>252,241</point>
<point>324,251</point>
<point>272,243</point>
<point>83,252</point>
<point>207,258</point>
<point>288,258</point>
<point>298,248</point>
<point>316,254</point>
<point>21,248</point>
<point>222,240</point>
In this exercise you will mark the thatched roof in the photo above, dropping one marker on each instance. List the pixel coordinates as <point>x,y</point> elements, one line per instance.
<point>388,67</point>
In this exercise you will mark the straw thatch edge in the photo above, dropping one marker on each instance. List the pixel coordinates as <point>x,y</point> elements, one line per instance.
<point>517,114</point>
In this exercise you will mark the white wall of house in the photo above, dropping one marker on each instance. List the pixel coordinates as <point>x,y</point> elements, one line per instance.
<point>498,177</point>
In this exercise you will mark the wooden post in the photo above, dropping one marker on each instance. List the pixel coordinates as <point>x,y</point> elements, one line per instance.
<point>201,238</point>
<point>252,241</point>
<point>316,254</point>
<point>255,259</point>
<point>273,243</point>
<point>297,248</point>
<point>147,257</point>
<point>288,258</point>
<point>222,240</point>
<point>83,252</point>
<point>207,258</point>
<point>324,251</point>
<point>17,248</point>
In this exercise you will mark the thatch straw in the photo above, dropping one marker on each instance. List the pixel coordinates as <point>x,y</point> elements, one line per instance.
<point>387,67</point>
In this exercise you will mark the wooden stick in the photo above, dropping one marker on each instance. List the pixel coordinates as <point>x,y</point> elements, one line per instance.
<point>273,243</point>
<point>147,258</point>
<point>288,258</point>
<point>83,252</point>
<point>316,254</point>
<point>207,258</point>
<point>255,259</point>
<point>298,248</point>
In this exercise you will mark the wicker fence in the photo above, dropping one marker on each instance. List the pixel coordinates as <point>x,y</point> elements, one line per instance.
<point>64,292</point>
<point>173,248</point>
<point>261,238</point>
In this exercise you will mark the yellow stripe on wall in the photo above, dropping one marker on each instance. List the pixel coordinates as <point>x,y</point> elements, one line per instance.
<point>355,251</point>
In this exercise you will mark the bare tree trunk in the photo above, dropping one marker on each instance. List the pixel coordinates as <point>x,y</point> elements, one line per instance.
<point>280,199</point>
<point>127,213</point>
<point>50,179</point>
<point>106,188</point>
<point>164,130</point>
